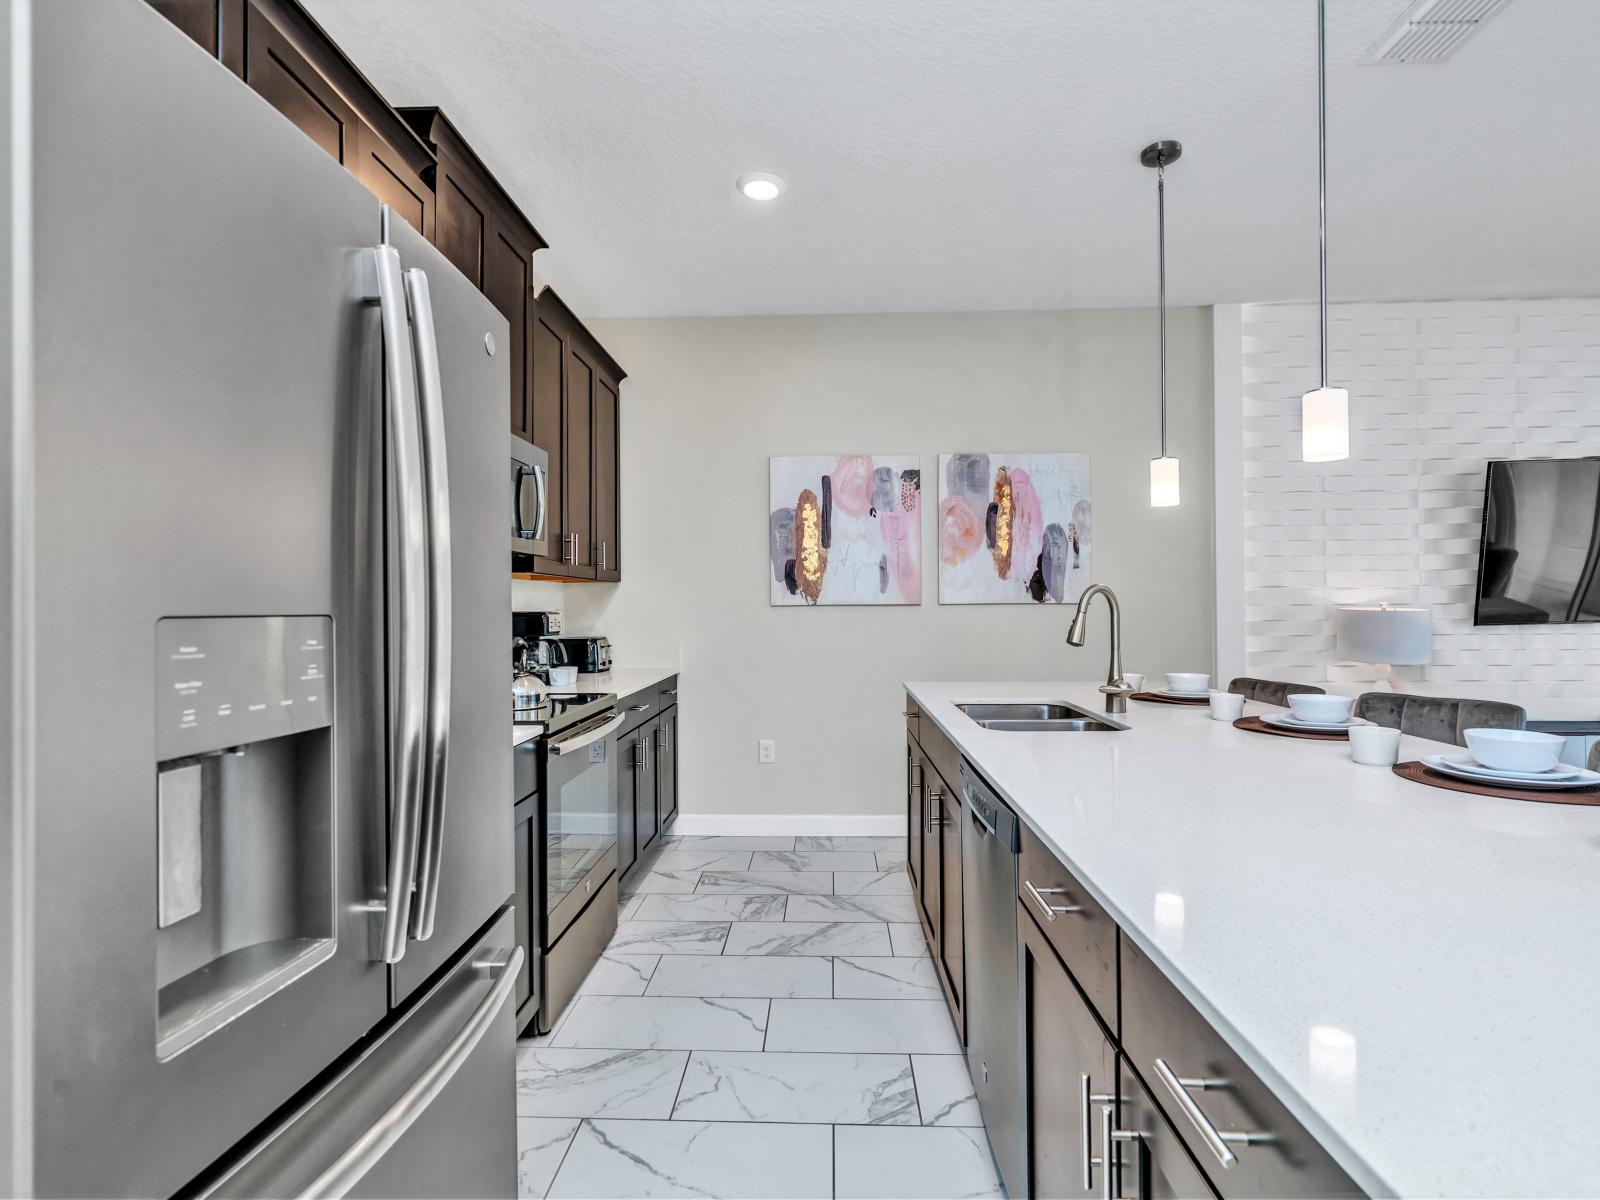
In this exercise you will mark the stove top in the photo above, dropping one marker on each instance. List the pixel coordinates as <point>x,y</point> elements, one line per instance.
<point>561,710</point>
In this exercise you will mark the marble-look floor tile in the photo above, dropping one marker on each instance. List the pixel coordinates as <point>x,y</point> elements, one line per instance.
<point>616,1159</point>
<point>628,907</point>
<point>659,882</point>
<point>850,1089</point>
<point>893,882</point>
<point>887,1163</point>
<point>726,841</point>
<point>850,843</point>
<point>672,858</point>
<point>541,1144</point>
<point>851,908</point>
<point>807,937</point>
<point>813,860</point>
<point>735,975</point>
<point>861,1026</point>
<point>891,860</point>
<point>615,974</point>
<point>768,883</point>
<point>666,1023</point>
<point>668,937</point>
<point>908,940</point>
<point>709,906</point>
<point>945,1092</point>
<point>598,1083</point>
<point>884,979</point>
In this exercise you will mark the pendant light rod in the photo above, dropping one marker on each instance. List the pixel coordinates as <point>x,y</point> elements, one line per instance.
<point>1161,270</point>
<point>1322,185</point>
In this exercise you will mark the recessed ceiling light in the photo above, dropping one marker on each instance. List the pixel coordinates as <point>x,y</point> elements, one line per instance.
<point>760,186</point>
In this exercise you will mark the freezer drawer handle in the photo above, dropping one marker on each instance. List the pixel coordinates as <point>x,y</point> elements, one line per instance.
<point>1216,1140</point>
<point>436,483</point>
<point>401,416</point>
<point>349,1168</point>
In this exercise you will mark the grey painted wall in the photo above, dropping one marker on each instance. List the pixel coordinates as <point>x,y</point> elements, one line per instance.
<point>708,400</point>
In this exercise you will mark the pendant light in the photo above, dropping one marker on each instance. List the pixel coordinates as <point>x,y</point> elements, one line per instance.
<point>1163,470</point>
<point>1324,411</point>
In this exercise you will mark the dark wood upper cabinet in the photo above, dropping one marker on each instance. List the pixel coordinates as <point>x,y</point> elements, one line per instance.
<point>574,418</point>
<point>481,230</point>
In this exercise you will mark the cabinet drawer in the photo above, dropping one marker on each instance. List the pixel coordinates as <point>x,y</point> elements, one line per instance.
<point>1158,1166</point>
<point>913,715</point>
<point>667,693</point>
<point>941,752</point>
<point>1159,1024</point>
<point>1085,938</point>
<point>638,708</point>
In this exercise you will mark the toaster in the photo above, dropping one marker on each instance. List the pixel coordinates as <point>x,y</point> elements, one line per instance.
<point>591,655</point>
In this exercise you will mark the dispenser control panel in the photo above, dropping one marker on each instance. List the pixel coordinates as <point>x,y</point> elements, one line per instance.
<point>228,681</point>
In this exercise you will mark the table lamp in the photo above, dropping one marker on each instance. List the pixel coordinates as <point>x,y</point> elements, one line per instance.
<point>1386,636</point>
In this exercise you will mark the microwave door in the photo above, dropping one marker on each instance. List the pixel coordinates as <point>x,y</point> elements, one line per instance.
<point>530,482</point>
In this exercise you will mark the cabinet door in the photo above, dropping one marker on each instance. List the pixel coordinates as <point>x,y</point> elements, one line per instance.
<point>548,352</point>
<point>577,462</point>
<point>627,801</point>
<point>667,768</point>
<point>646,816</point>
<point>283,77</point>
<point>914,813</point>
<point>1070,1068</point>
<point>926,782</point>
<point>952,948</point>
<point>506,281</point>
<point>391,180</point>
<point>1158,1166</point>
<point>523,839</point>
<point>607,527</point>
<point>461,221</point>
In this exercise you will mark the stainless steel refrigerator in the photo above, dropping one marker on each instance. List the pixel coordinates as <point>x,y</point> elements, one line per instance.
<point>272,951</point>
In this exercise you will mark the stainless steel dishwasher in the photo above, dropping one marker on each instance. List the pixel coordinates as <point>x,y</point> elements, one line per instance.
<point>989,848</point>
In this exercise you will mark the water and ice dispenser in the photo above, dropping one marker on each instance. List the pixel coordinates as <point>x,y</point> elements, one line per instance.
<point>244,815</point>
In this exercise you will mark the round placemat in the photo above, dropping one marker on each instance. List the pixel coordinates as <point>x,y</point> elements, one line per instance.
<point>1417,773</point>
<point>1257,725</point>
<point>1152,698</point>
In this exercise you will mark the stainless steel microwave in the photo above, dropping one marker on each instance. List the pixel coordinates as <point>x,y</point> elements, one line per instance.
<point>530,492</point>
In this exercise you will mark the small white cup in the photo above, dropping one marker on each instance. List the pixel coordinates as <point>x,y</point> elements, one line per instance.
<point>1226,706</point>
<point>1188,682</point>
<point>1374,745</point>
<point>563,676</point>
<point>1135,680</point>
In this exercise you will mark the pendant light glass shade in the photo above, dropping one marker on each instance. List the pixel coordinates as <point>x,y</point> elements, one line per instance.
<point>1163,482</point>
<point>1325,424</point>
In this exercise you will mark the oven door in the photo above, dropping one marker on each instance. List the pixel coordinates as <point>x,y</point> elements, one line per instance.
<point>580,820</point>
<point>530,481</point>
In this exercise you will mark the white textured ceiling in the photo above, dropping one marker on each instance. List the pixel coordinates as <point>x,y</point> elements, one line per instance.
<point>982,154</point>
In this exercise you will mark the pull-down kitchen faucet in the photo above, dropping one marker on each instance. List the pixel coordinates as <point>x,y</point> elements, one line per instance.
<point>1116,688</point>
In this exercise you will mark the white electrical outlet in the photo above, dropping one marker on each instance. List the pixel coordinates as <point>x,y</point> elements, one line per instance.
<point>769,750</point>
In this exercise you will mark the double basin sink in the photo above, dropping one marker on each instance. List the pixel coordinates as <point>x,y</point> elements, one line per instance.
<point>1039,717</point>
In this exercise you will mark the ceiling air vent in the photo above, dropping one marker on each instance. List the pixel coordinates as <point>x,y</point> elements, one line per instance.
<point>1430,31</point>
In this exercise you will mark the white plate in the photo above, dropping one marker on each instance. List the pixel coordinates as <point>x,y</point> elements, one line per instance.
<point>1172,695</point>
<point>1468,765</point>
<point>1448,766</point>
<point>1290,721</point>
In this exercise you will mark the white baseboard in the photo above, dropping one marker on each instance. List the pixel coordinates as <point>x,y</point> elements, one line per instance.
<point>809,825</point>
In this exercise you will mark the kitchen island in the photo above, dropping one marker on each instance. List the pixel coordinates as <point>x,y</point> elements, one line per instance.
<point>1412,972</point>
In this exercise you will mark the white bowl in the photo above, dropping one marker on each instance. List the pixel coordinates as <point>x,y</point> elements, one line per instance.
<point>1515,749</point>
<point>1309,706</point>
<point>1187,681</point>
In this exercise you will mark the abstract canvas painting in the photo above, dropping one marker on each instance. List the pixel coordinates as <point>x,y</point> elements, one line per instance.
<point>845,529</point>
<point>1014,528</point>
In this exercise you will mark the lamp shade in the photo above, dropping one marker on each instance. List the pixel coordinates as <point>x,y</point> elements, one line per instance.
<point>1163,482</point>
<point>1325,424</point>
<point>1395,636</point>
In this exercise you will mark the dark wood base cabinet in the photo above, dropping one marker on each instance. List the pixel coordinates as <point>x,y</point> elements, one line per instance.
<point>647,773</point>
<point>933,862</point>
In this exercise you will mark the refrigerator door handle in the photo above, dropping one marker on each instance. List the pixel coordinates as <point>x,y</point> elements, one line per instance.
<point>348,1169</point>
<point>400,413</point>
<point>436,483</point>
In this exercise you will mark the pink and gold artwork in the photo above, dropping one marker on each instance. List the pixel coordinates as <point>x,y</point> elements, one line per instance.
<point>845,529</point>
<point>1014,528</point>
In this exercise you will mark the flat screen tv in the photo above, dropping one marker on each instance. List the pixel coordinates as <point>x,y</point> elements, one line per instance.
<point>1537,563</point>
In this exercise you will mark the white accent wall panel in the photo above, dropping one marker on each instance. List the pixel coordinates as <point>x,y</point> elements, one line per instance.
<point>1437,389</point>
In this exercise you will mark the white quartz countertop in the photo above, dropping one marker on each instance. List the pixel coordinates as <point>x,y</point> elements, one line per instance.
<point>1415,972</point>
<point>624,681</point>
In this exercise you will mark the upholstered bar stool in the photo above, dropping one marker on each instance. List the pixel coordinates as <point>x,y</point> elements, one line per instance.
<point>1268,691</point>
<point>1438,717</point>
